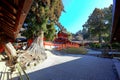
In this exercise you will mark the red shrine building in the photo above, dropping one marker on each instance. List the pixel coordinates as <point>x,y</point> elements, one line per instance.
<point>62,37</point>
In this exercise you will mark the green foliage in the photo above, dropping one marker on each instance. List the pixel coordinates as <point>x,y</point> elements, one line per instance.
<point>50,34</point>
<point>98,24</point>
<point>43,13</point>
<point>106,45</point>
<point>80,50</point>
<point>86,33</point>
<point>116,45</point>
<point>95,45</point>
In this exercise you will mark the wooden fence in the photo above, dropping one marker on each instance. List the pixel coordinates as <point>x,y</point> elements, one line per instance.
<point>59,46</point>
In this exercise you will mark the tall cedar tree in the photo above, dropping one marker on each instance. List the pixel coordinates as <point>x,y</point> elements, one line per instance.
<point>41,20</point>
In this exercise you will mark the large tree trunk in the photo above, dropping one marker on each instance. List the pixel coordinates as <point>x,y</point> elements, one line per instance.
<point>35,53</point>
<point>37,47</point>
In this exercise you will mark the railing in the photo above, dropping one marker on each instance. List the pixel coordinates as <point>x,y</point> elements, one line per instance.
<point>61,46</point>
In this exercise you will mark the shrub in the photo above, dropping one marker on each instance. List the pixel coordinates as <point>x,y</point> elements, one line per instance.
<point>116,45</point>
<point>98,45</point>
<point>80,50</point>
<point>95,45</point>
<point>106,45</point>
<point>92,45</point>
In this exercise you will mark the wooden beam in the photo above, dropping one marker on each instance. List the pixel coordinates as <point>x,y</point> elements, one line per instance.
<point>8,19</point>
<point>7,13</point>
<point>6,29</point>
<point>7,23</point>
<point>8,6</point>
<point>16,2</point>
<point>10,30</point>
<point>22,13</point>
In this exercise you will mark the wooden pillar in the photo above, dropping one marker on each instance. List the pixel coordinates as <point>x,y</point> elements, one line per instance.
<point>11,53</point>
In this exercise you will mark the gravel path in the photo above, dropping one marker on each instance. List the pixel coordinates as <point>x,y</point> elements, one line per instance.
<point>73,67</point>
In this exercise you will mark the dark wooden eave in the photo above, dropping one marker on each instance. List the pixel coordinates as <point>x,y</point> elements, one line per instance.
<point>115,36</point>
<point>12,16</point>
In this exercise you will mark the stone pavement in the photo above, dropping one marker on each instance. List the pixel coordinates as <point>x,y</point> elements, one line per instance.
<point>117,66</point>
<point>74,67</point>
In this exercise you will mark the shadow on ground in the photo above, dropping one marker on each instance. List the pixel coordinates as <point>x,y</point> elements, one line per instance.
<point>85,68</point>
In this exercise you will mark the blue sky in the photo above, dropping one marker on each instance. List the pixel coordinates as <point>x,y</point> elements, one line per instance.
<point>77,12</point>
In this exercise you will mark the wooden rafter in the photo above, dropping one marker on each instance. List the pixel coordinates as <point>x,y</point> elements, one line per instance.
<point>8,6</point>
<point>22,13</point>
<point>7,23</point>
<point>7,19</point>
<point>4,24</point>
<point>14,3</point>
<point>12,16</point>
<point>7,13</point>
